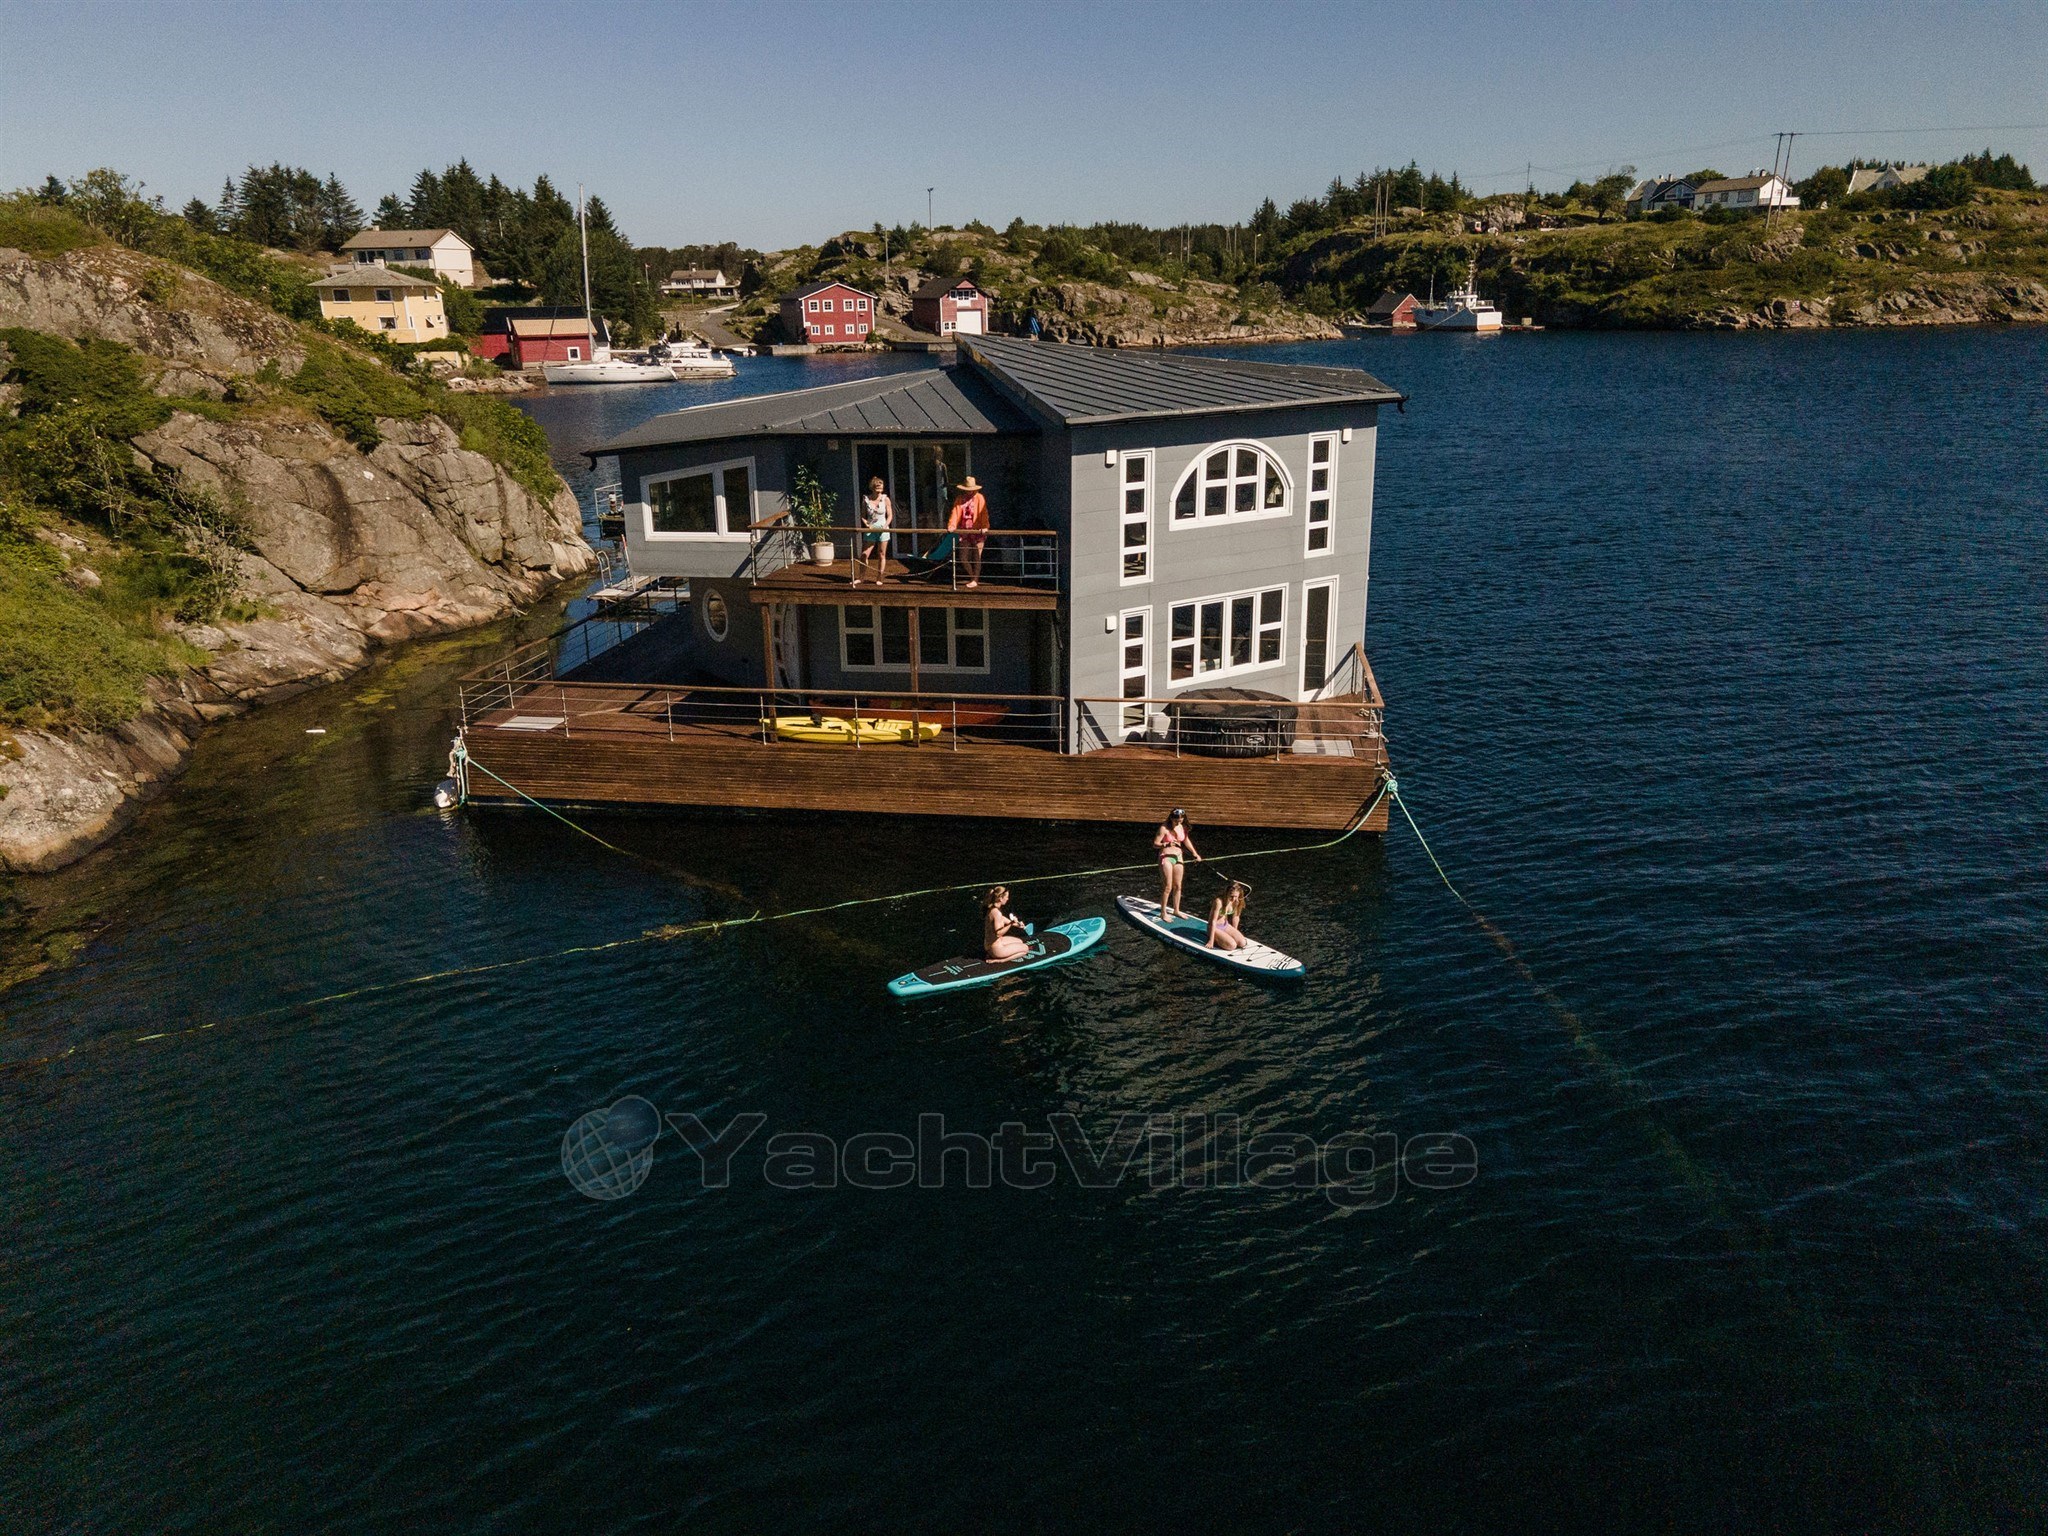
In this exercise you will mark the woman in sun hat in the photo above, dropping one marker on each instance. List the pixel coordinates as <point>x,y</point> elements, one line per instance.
<point>969,521</point>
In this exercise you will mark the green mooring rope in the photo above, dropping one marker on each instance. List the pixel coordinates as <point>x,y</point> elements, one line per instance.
<point>668,932</point>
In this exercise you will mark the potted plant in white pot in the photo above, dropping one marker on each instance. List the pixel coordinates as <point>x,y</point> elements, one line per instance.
<point>811,507</point>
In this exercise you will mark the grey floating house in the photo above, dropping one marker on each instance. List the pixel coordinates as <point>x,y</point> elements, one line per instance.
<point>1170,599</point>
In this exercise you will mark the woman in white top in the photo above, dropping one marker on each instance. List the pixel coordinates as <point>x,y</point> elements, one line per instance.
<point>877,517</point>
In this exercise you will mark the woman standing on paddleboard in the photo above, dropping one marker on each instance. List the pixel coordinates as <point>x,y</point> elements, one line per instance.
<point>1174,846</point>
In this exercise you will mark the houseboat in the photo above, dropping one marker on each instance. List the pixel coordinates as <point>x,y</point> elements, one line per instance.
<point>1167,608</point>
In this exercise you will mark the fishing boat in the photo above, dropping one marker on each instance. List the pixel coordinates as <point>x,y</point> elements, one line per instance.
<point>1463,310</point>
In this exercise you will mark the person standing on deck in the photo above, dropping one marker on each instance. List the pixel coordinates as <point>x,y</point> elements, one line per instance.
<point>968,521</point>
<point>877,516</point>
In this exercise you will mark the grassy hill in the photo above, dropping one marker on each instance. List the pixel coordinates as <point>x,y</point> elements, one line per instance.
<point>1079,291</point>
<point>1985,260</point>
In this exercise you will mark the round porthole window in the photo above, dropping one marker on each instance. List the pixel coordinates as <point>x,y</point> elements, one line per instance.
<point>716,620</point>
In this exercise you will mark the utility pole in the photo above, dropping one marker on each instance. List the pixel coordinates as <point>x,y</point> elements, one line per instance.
<point>1783,152</point>
<point>928,206</point>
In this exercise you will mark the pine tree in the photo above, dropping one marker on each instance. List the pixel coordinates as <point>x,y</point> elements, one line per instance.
<point>229,209</point>
<point>425,209</point>
<point>340,217</point>
<point>462,202</point>
<point>200,216</point>
<point>600,217</point>
<point>391,212</point>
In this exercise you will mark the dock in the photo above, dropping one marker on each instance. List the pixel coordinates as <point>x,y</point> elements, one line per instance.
<point>570,742</point>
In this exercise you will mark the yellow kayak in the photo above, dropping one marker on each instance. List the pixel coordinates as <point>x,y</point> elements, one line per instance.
<point>838,729</point>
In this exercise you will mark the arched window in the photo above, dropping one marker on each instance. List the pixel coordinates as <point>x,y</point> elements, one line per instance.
<point>1232,480</point>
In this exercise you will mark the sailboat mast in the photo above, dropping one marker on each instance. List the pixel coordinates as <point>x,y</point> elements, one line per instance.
<point>583,236</point>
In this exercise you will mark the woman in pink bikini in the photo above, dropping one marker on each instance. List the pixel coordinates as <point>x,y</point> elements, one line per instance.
<point>1175,847</point>
<point>968,522</point>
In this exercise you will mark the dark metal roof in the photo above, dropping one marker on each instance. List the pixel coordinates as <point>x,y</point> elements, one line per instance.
<point>941,284</point>
<point>928,401</point>
<point>1072,385</point>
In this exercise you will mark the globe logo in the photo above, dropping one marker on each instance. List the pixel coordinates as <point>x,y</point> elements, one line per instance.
<point>608,1153</point>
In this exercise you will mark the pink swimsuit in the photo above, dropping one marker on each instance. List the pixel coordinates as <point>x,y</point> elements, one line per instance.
<point>1171,854</point>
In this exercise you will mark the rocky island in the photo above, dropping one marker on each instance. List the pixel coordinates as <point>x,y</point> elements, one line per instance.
<point>206,504</point>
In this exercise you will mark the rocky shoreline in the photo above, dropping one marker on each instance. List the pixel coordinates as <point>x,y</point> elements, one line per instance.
<point>351,550</point>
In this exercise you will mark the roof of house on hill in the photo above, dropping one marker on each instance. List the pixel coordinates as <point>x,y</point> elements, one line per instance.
<point>697,275</point>
<point>1867,176</point>
<point>376,239</point>
<point>354,275</point>
<point>818,287</point>
<point>1736,183</point>
<point>930,400</point>
<point>940,284</point>
<point>1390,301</point>
<point>1074,385</point>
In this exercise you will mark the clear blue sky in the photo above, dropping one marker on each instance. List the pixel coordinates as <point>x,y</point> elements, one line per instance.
<point>774,123</point>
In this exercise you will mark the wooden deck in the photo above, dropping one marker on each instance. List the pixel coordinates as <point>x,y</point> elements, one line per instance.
<point>607,744</point>
<point>833,584</point>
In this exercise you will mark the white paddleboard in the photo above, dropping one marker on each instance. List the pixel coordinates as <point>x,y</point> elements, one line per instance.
<point>1192,934</point>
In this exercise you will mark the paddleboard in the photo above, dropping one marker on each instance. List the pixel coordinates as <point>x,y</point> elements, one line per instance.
<point>1059,943</point>
<point>1192,934</point>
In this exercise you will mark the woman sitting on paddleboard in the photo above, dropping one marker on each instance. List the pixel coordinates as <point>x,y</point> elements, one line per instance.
<point>1226,918</point>
<point>1175,846</point>
<point>1001,934</point>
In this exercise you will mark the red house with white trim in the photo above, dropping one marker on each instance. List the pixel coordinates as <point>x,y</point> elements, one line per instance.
<point>828,314</point>
<point>949,306</point>
<point>521,338</point>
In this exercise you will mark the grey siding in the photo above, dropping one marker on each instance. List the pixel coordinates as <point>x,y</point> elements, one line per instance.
<point>1201,561</point>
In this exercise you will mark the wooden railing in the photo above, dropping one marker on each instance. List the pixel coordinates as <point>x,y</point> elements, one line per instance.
<point>1023,556</point>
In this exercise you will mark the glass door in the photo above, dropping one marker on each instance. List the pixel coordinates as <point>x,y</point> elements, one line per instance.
<point>1317,599</point>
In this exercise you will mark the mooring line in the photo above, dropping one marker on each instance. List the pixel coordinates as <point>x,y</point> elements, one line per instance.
<point>666,932</point>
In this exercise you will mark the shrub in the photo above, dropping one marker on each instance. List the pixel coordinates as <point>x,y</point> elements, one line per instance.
<point>506,435</point>
<point>65,659</point>
<point>350,391</point>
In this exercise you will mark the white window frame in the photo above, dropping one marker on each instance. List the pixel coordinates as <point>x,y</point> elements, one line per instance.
<point>1125,517</point>
<point>719,631</point>
<point>1259,627</point>
<point>1197,471</point>
<point>1126,726</point>
<point>573,354</point>
<point>727,527</point>
<point>1308,690</point>
<point>827,305</point>
<point>925,616</point>
<point>1327,496</point>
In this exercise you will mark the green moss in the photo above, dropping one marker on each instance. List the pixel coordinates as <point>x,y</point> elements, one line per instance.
<point>66,658</point>
<point>507,436</point>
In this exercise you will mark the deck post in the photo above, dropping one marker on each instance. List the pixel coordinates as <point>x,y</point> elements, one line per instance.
<point>768,646</point>
<point>916,645</point>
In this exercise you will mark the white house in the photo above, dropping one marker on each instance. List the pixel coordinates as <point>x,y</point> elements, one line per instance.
<point>1744,194</point>
<point>711,282</point>
<point>442,250</point>
<point>1882,178</point>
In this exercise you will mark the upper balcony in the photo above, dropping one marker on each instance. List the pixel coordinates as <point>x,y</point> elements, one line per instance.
<point>924,568</point>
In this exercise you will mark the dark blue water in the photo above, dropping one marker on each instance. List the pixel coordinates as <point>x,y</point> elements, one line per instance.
<point>1717,678</point>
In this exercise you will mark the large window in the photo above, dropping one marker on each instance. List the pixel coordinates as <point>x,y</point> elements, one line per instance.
<point>1137,518</point>
<point>1318,615</point>
<point>877,639</point>
<point>1216,636</point>
<point>714,502</point>
<point>919,477</point>
<point>1231,480</point>
<point>1322,493</point>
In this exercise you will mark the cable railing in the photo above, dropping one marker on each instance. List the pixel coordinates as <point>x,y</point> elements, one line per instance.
<point>1017,556</point>
<point>513,697</point>
<point>1231,728</point>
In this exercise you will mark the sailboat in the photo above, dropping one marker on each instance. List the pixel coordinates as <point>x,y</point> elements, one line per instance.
<point>603,367</point>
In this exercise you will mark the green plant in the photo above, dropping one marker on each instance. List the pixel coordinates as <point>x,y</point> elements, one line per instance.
<point>810,504</point>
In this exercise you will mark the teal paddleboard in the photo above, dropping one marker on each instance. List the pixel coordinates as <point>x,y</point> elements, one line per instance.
<point>1055,944</point>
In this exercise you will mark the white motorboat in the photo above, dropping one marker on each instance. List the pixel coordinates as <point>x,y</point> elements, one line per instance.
<point>691,359</point>
<point>1464,310</point>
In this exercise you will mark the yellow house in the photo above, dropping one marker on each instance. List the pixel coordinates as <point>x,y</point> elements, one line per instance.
<point>396,305</point>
